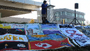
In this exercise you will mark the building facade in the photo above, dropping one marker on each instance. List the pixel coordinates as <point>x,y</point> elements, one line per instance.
<point>66,14</point>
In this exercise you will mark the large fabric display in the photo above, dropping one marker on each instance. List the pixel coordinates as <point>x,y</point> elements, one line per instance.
<point>40,36</point>
<point>51,41</point>
<point>73,33</point>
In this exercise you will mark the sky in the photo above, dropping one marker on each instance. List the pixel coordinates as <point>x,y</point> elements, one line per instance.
<point>32,15</point>
<point>84,6</point>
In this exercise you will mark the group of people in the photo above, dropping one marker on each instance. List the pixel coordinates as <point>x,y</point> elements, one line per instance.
<point>44,12</point>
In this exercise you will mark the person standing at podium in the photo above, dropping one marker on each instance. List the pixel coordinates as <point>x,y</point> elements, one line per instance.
<point>44,12</point>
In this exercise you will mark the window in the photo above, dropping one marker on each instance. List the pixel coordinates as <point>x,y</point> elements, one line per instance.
<point>81,16</point>
<point>62,13</point>
<point>69,20</point>
<point>77,15</point>
<point>57,19</point>
<point>65,20</point>
<point>68,13</point>
<point>56,14</point>
<point>73,14</point>
<point>65,13</point>
<point>61,19</point>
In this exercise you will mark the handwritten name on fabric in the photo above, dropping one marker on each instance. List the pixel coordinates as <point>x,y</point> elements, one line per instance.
<point>13,37</point>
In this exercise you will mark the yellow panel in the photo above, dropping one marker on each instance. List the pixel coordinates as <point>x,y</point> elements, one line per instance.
<point>7,27</point>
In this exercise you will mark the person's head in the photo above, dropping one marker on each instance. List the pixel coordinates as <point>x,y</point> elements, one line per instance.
<point>44,2</point>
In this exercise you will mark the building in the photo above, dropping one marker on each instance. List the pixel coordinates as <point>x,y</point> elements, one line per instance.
<point>67,14</point>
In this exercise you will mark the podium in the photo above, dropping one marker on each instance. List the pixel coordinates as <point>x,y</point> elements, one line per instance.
<point>50,13</point>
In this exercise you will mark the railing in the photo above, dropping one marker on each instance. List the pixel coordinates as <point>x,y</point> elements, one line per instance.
<point>27,2</point>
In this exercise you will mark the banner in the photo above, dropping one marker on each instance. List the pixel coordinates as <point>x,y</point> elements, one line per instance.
<point>33,29</point>
<point>73,33</point>
<point>12,45</point>
<point>49,44</point>
<point>13,37</point>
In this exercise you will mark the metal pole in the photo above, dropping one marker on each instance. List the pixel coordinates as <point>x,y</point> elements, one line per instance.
<point>49,2</point>
<point>0,16</point>
<point>63,21</point>
<point>75,17</point>
<point>82,23</point>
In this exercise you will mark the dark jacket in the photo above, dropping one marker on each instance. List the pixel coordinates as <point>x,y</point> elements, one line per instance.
<point>44,8</point>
